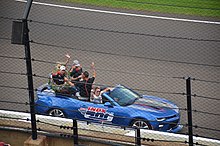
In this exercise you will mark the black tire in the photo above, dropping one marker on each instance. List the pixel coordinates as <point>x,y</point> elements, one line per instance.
<point>141,123</point>
<point>56,113</point>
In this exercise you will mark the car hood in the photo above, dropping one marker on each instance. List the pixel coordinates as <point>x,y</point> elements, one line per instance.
<point>155,105</point>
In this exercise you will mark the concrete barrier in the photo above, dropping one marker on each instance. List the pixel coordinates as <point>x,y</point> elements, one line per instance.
<point>52,124</point>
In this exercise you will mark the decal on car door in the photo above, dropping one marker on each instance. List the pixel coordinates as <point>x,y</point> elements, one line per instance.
<point>97,114</point>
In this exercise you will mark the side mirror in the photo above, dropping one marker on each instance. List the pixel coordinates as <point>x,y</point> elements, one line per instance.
<point>108,104</point>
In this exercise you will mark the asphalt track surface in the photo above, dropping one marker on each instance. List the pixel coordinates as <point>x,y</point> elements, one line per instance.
<point>143,53</point>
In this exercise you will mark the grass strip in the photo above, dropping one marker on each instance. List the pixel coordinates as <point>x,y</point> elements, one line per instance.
<point>208,8</point>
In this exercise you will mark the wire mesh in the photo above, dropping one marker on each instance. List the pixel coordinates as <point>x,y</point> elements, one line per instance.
<point>209,100</point>
<point>149,55</point>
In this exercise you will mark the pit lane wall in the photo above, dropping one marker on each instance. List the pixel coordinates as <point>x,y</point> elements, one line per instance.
<point>97,132</point>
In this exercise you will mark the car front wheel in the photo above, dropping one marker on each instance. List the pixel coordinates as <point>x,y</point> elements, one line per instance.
<point>143,124</point>
<point>56,113</point>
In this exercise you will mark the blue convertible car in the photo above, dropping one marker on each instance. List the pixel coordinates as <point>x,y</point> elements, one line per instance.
<point>129,110</point>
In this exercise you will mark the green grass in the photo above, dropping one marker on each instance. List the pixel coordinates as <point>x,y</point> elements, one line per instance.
<point>208,8</point>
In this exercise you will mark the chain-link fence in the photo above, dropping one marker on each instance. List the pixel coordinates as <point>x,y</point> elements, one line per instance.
<point>150,55</point>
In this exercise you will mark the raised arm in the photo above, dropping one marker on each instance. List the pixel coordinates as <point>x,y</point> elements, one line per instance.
<point>93,69</point>
<point>68,59</point>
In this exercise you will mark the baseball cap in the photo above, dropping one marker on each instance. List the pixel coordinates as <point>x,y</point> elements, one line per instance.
<point>62,68</point>
<point>76,63</point>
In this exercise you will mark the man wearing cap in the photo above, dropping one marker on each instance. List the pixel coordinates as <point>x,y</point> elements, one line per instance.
<point>60,79</point>
<point>75,71</point>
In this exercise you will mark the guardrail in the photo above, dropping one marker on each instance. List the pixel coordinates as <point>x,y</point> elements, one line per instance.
<point>104,132</point>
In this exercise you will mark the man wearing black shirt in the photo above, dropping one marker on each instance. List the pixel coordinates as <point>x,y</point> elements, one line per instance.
<point>85,86</point>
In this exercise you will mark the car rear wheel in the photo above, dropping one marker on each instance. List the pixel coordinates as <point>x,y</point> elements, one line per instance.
<point>141,123</point>
<point>56,113</point>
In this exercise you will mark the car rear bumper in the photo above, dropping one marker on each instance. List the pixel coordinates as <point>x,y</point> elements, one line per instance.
<point>41,108</point>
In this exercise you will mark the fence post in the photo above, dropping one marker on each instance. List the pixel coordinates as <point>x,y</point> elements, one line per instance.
<point>189,110</point>
<point>29,69</point>
<point>137,137</point>
<point>75,132</point>
<point>30,80</point>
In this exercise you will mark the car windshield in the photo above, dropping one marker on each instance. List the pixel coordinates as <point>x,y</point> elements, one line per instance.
<point>124,96</point>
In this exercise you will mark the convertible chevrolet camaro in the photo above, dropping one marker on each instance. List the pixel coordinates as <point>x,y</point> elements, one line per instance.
<point>121,106</point>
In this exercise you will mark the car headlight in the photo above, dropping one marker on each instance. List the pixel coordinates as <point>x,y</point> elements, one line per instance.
<point>161,119</point>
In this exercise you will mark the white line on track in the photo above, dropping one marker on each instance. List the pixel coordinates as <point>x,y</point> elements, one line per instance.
<point>125,14</point>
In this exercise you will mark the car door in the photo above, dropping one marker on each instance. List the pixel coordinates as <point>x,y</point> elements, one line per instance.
<point>121,115</point>
<point>104,113</point>
<point>95,112</point>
